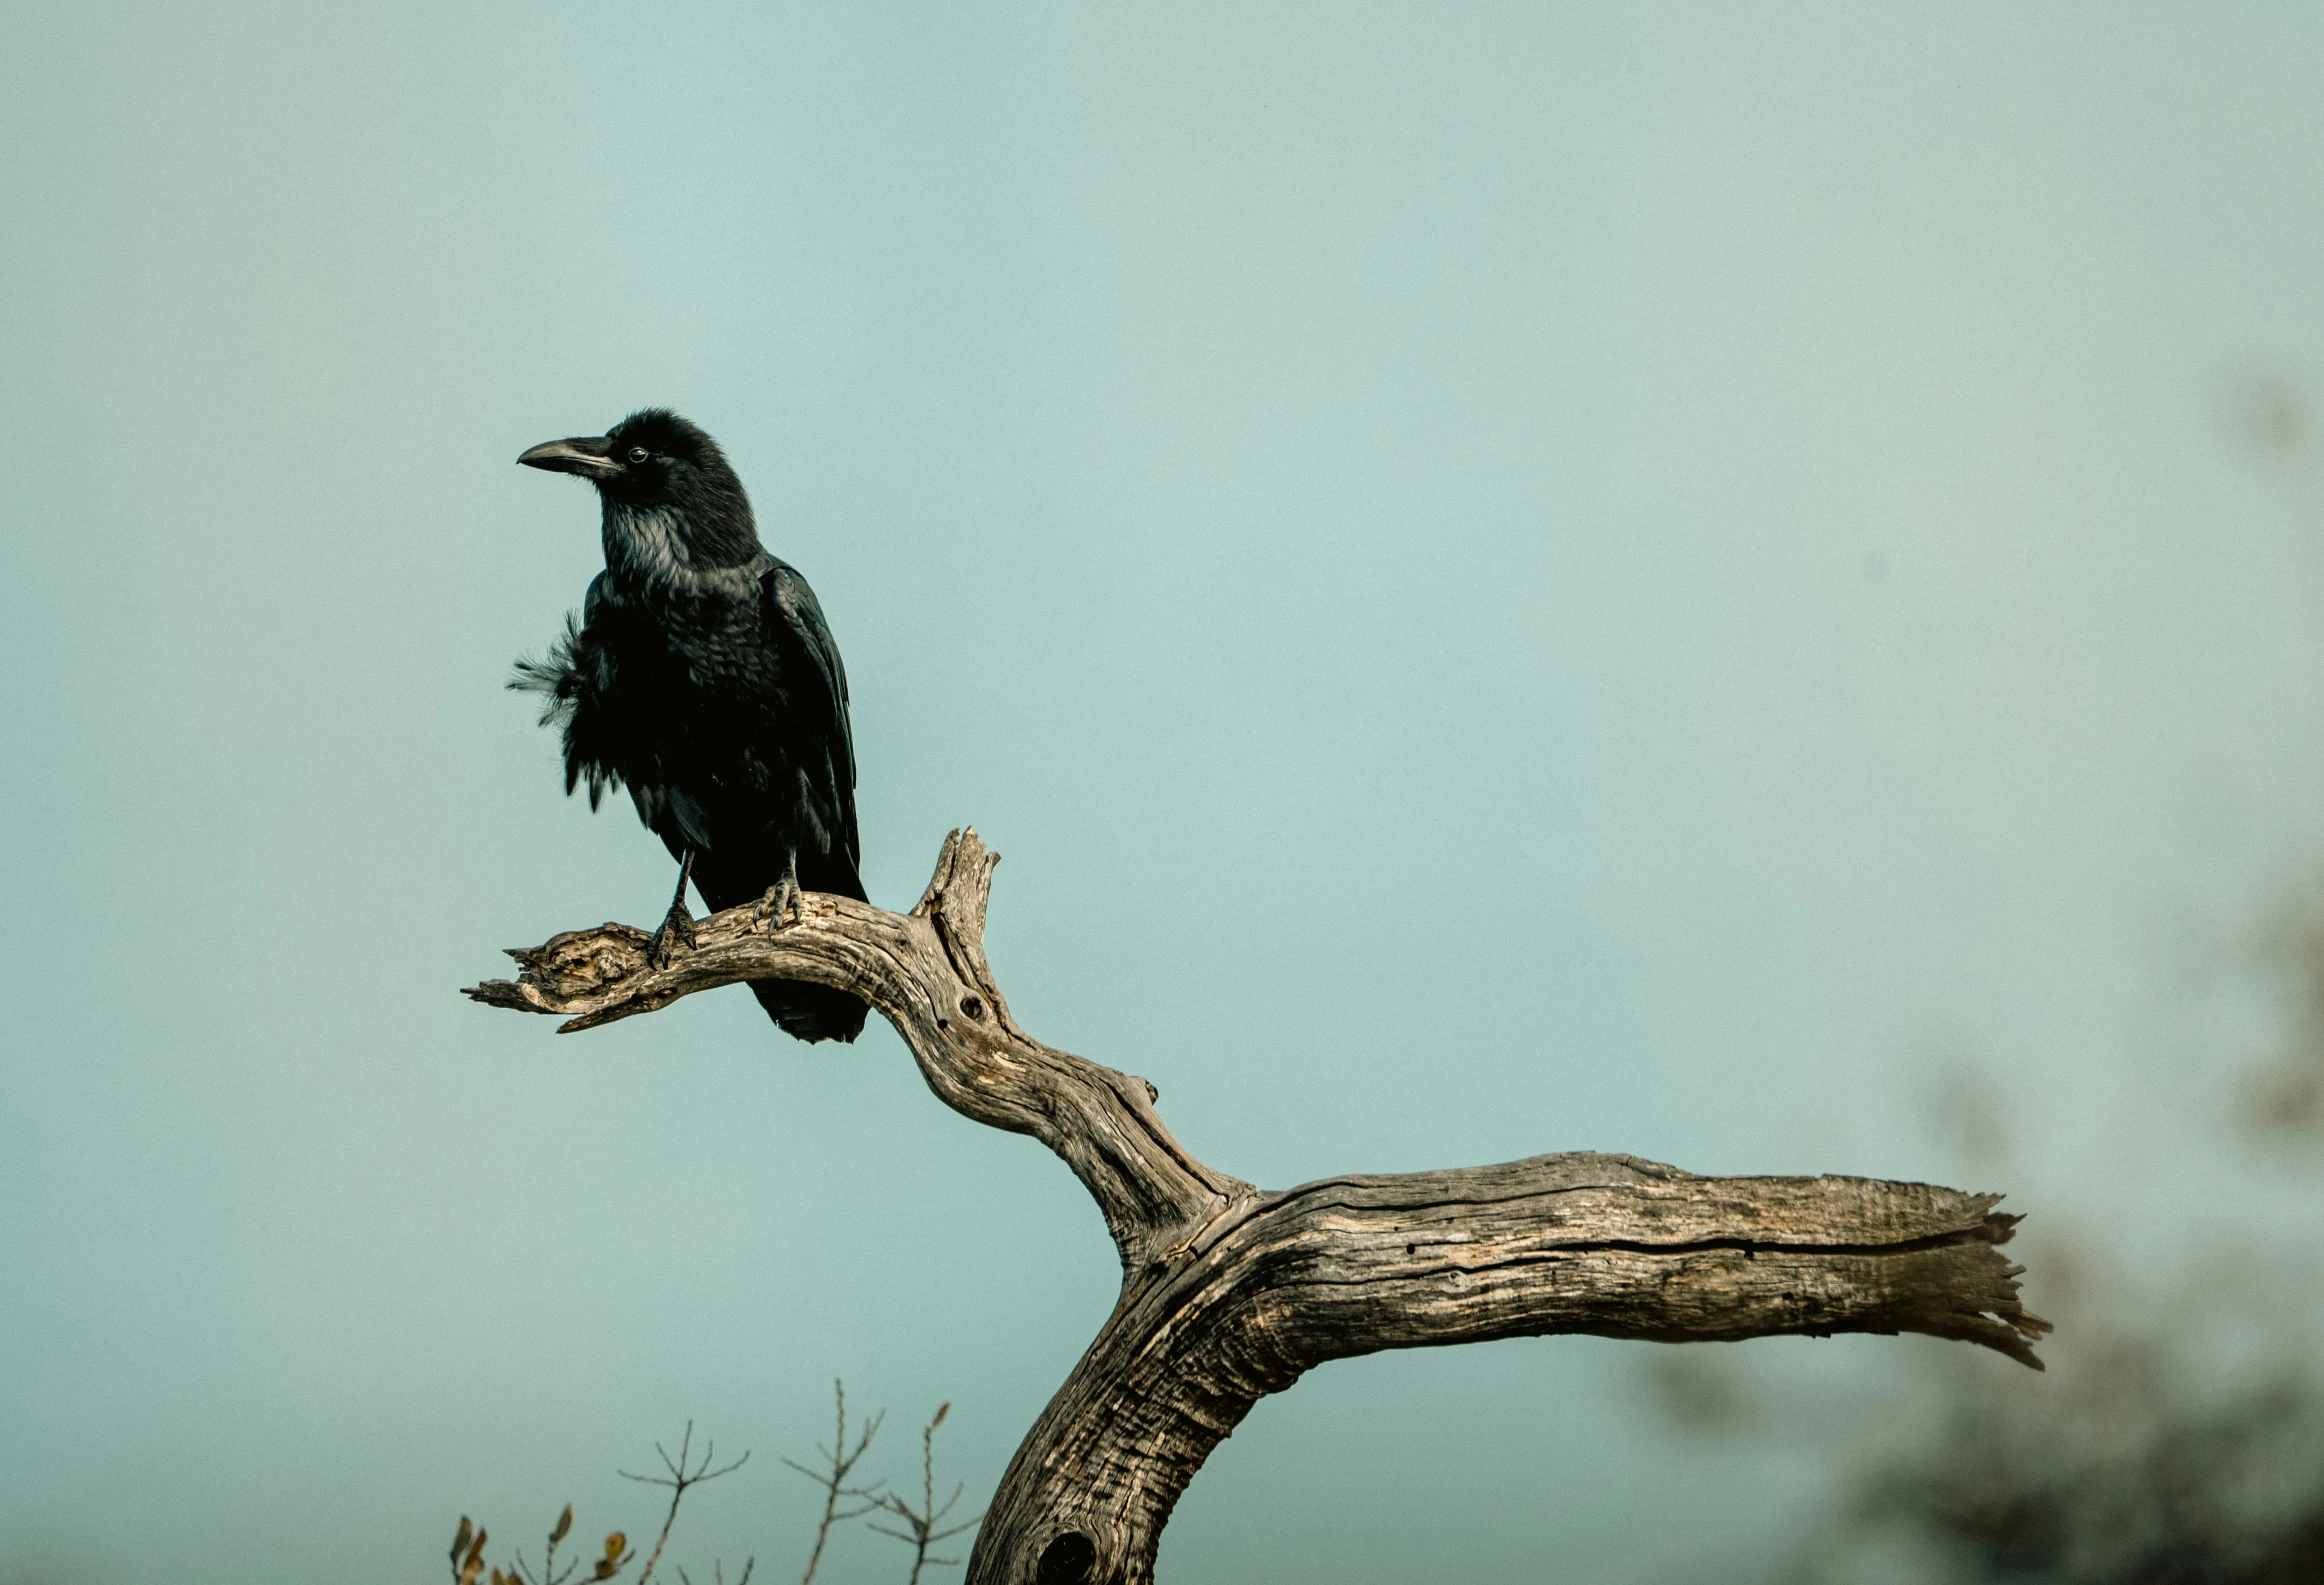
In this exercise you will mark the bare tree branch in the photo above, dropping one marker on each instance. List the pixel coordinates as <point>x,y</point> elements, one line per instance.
<point>924,1526</point>
<point>681,1478</point>
<point>839,1461</point>
<point>1229,1293</point>
<point>684,1475</point>
<point>926,972</point>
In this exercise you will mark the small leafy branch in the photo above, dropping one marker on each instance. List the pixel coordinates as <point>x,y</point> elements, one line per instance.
<point>468,1557</point>
<point>845,1498</point>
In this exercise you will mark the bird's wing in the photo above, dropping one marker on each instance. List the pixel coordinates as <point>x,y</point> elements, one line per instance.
<point>819,698</point>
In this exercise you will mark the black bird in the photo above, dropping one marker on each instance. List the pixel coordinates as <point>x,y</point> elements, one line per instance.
<point>701,675</point>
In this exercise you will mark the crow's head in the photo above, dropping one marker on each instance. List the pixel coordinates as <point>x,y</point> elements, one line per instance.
<point>658,473</point>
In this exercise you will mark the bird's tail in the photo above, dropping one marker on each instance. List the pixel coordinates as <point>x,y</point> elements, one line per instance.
<point>801,1009</point>
<point>810,1012</point>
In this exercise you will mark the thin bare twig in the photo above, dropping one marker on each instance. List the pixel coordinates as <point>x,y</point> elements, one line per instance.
<point>718,1573</point>
<point>922,1522</point>
<point>839,1462</point>
<point>679,1480</point>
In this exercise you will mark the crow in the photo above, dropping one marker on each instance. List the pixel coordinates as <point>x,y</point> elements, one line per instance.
<point>700,674</point>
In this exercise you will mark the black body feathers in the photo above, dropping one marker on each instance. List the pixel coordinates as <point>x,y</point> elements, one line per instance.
<point>701,676</point>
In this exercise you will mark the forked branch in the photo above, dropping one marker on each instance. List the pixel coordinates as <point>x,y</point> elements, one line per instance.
<point>1229,1293</point>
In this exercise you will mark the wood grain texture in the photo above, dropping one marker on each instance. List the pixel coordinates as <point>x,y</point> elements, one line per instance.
<point>1230,1293</point>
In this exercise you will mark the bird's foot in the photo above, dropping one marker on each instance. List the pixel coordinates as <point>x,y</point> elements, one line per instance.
<point>676,936</point>
<point>784,905</point>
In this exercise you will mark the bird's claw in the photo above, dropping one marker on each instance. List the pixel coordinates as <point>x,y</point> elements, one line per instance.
<point>783,905</point>
<point>675,936</point>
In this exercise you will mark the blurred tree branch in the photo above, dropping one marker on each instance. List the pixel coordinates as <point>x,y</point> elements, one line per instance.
<point>1230,1293</point>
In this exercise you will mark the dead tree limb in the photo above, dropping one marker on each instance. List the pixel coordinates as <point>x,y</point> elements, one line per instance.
<point>1230,1292</point>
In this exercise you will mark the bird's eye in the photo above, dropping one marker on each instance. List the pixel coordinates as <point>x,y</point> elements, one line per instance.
<point>637,453</point>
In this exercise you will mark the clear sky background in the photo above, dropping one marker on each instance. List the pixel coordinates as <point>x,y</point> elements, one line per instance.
<point>1506,579</point>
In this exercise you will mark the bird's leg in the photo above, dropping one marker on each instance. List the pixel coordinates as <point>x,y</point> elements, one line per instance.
<point>784,903</point>
<point>677,925</point>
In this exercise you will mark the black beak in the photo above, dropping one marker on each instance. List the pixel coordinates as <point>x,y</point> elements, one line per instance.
<point>588,455</point>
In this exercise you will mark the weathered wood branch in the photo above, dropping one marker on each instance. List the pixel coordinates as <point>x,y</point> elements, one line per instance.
<point>1229,1294</point>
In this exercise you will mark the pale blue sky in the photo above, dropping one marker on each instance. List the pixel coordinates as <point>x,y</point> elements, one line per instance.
<point>1506,579</point>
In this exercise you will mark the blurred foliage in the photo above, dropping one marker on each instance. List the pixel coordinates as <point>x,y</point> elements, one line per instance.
<point>2176,1440</point>
<point>2178,1437</point>
<point>2130,1470</point>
